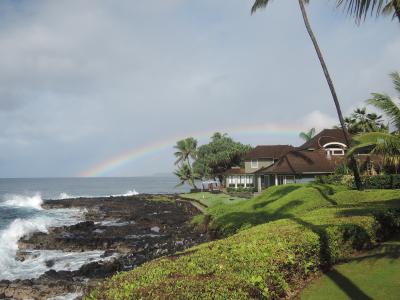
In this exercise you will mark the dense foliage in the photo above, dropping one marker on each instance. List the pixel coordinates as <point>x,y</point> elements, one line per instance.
<point>361,121</point>
<point>219,155</point>
<point>389,181</point>
<point>186,151</point>
<point>303,228</point>
<point>383,143</point>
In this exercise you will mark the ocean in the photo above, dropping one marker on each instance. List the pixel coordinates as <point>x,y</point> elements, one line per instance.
<point>21,214</point>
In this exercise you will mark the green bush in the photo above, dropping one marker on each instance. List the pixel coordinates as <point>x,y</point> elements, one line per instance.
<point>389,221</point>
<point>241,190</point>
<point>377,182</point>
<point>396,181</point>
<point>369,181</point>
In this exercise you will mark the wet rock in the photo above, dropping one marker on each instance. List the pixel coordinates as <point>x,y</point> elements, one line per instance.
<point>127,226</point>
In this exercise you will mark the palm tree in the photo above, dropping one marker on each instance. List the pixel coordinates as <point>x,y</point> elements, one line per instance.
<point>361,121</point>
<point>306,136</point>
<point>185,174</point>
<point>186,150</point>
<point>385,144</point>
<point>263,3</point>
<point>360,8</point>
<point>387,104</point>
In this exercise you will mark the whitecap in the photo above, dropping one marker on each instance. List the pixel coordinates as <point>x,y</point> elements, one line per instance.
<point>34,201</point>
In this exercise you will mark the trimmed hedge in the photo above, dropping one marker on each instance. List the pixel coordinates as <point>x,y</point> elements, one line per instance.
<point>241,189</point>
<point>369,182</point>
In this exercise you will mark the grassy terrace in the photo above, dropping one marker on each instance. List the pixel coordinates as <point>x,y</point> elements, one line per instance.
<point>274,243</point>
<point>210,200</point>
<point>372,275</point>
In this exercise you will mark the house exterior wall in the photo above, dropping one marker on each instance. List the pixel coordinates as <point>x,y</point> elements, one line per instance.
<point>262,163</point>
<point>305,178</point>
<point>240,181</point>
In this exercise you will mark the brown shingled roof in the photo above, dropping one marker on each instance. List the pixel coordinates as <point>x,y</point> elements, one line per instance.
<point>268,151</point>
<point>324,137</point>
<point>303,161</point>
<point>235,171</point>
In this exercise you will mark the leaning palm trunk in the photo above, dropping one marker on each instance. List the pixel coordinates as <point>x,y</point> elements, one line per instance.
<point>353,162</point>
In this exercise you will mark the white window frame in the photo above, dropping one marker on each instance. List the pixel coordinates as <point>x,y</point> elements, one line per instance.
<point>254,164</point>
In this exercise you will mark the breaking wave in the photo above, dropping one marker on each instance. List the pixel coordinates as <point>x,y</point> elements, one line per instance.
<point>10,267</point>
<point>129,193</point>
<point>34,202</point>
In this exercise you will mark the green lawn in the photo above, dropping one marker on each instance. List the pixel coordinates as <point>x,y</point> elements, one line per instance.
<point>373,275</point>
<point>275,242</point>
<point>210,200</point>
<point>296,200</point>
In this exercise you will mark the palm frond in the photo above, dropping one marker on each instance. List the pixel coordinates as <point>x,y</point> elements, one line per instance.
<point>388,106</point>
<point>259,4</point>
<point>396,78</point>
<point>360,8</point>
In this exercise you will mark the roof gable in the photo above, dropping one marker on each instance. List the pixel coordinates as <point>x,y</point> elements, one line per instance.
<point>268,151</point>
<point>324,137</point>
<point>303,161</point>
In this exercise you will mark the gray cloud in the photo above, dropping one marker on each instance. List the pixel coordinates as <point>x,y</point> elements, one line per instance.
<point>82,81</point>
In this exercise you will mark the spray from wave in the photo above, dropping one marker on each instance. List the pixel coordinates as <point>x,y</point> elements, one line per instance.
<point>129,193</point>
<point>34,202</point>
<point>11,235</point>
<point>10,267</point>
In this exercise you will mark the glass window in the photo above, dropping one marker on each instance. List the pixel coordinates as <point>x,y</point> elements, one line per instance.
<point>254,164</point>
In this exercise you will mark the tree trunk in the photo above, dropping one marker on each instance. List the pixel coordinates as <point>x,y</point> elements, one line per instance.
<point>353,162</point>
<point>191,173</point>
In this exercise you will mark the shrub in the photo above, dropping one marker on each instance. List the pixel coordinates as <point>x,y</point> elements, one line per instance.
<point>396,181</point>
<point>369,182</point>
<point>377,182</point>
<point>389,221</point>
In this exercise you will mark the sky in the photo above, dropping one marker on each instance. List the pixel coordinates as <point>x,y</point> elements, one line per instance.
<point>111,85</point>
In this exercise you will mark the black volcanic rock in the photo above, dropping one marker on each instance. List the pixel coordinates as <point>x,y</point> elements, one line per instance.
<point>130,231</point>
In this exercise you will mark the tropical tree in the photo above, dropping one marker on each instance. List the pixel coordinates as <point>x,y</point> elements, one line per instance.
<point>383,143</point>
<point>185,175</point>
<point>388,105</point>
<point>186,150</point>
<point>306,136</point>
<point>360,121</point>
<point>263,3</point>
<point>219,155</point>
<point>361,8</point>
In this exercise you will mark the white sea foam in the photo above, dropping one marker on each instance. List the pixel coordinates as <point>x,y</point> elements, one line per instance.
<point>70,296</point>
<point>65,196</point>
<point>10,268</point>
<point>34,201</point>
<point>127,194</point>
<point>37,263</point>
<point>10,237</point>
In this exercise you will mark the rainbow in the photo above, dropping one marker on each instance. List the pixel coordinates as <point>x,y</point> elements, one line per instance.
<point>111,164</point>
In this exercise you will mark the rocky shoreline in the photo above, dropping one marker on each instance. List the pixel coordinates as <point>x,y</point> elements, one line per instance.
<point>128,230</point>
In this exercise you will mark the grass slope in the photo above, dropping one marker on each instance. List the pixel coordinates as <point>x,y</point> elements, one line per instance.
<point>303,228</point>
<point>373,275</point>
<point>210,200</point>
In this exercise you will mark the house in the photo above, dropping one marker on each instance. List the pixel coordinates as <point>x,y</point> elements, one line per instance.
<point>282,164</point>
<point>258,158</point>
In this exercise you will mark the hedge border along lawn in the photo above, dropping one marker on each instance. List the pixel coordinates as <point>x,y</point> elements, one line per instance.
<point>304,234</point>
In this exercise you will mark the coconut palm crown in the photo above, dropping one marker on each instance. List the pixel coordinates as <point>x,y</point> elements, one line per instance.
<point>306,136</point>
<point>385,144</point>
<point>361,8</point>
